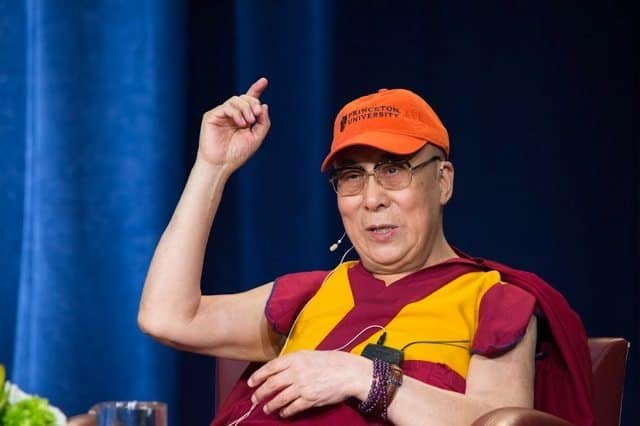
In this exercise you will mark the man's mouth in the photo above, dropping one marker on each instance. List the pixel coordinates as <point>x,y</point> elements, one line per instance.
<point>380,229</point>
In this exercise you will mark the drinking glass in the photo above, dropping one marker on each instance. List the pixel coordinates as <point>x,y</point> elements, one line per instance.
<point>130,413</point>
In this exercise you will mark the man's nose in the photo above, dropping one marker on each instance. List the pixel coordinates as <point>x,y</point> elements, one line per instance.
<point>375,196</point>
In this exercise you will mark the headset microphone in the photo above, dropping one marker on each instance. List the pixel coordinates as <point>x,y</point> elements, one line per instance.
<point>333,247</point>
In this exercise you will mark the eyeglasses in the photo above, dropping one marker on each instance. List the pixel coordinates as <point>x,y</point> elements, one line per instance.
<point>390,174</point>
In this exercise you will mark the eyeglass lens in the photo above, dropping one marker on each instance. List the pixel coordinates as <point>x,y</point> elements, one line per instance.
<point>393,176</point>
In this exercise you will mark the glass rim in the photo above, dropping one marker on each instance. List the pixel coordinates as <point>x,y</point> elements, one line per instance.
<point>128,404</point>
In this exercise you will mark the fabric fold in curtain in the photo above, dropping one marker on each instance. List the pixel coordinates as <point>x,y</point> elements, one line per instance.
<point>103,168</point>
<point>281,188</point>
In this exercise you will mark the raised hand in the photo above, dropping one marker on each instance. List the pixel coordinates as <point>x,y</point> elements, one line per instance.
<point>230,133</point>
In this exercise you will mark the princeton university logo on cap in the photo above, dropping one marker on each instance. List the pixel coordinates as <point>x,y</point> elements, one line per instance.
<point>380,111</point>
<point>396,121</point>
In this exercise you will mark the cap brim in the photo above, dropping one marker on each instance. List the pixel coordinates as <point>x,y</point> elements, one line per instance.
<point>388,142</point>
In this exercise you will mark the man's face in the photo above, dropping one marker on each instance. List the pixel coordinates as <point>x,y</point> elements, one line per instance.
<point>393,231</point>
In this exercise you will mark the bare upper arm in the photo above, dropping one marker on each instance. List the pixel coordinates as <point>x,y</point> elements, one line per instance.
<point>229,326</point>
<point>507,380</point>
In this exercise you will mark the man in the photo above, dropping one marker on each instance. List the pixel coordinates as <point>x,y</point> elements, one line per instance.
<point>444,338</point>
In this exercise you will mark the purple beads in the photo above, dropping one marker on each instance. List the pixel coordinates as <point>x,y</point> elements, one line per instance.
<point>377,402</point>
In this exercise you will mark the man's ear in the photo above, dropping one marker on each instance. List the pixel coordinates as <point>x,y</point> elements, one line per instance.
<point>445,181</point>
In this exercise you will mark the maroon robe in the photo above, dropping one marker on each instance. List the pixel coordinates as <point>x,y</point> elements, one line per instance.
<point>563,370</point>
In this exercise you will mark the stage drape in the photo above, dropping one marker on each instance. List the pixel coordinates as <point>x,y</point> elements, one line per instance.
<point>97,97</point>
<point>100,104</point>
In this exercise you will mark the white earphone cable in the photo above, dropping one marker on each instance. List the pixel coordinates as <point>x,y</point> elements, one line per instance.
<point>237,421</point>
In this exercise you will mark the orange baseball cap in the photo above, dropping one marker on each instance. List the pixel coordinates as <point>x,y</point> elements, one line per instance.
<point>396,121</point>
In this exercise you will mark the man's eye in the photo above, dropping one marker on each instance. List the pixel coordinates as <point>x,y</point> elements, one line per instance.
<point>391,169</point>
<point>350,175</point>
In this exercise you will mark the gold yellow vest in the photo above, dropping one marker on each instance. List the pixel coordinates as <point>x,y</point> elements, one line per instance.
<point>448,314</point>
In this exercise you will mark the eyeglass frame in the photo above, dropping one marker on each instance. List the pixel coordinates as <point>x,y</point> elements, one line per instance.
<point>404,163</point>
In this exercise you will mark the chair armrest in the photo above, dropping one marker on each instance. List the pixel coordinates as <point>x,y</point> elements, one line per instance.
<point>83,420</point>
<point>518,416</point>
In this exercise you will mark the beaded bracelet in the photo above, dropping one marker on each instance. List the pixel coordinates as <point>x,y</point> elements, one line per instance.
<point>385,382</point>
<point>378,390</point>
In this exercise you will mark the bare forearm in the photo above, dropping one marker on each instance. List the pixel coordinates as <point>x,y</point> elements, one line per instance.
<point>416,403</point>
<point>172,287</point>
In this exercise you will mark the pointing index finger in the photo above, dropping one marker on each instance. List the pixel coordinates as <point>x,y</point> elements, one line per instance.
<point>258,87</point>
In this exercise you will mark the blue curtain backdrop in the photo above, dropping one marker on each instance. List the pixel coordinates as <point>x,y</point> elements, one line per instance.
<point>93,129</point>
<point>100,106</point>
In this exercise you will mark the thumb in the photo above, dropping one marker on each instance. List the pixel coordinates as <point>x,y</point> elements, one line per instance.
<point>262,125</point>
